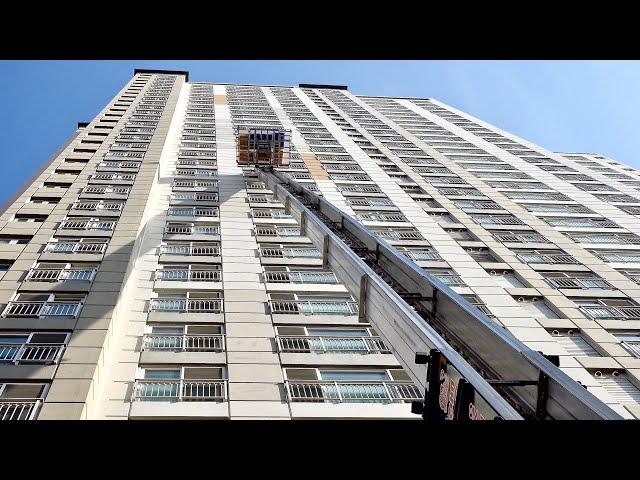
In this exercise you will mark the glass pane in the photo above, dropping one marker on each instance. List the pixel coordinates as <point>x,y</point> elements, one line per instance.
<point>162,374</point>
<point>354,376</point>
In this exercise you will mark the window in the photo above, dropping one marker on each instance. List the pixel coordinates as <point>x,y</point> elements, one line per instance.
<point>573,343</point>
<point>631,342</point>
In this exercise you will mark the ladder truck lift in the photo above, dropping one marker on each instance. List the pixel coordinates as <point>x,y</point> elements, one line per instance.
<point>469,366</point>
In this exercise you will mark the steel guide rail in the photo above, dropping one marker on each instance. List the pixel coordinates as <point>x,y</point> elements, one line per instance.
<point>415,315</point>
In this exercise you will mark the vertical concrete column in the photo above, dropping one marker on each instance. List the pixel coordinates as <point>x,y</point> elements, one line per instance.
<point>254,370</point>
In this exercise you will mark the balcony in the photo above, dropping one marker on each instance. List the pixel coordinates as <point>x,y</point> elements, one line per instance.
<point>352,392</point>
<point>52,275</point>
<point>497,220</point>
<point>301,277</point>
<point>611,313</point>
<point>31,353</point>
<point>89,248</point>
<point>19,409</point>
<point>191,249</point>
<point>293,252</point>
<point>277,231</point>
<point>180,390</point>
<point>184,343</point>
<point>194,197</point>
<point>421,255</point>
<point>547,258</point>
<point>261,213</point>
<point>193,212</point>
<point>382,217</point>
<point>268,199</point>
<point>200,185</point>
<point>189,275</point>
<point>104,208</point>
<point>187,305</point>
<point>579,283</point>
<point>105,191</point>
<point>515,237</point>
<point>325,344</point>
<point>93,225</point>
<point>113,177</point>
<point>191,229</point>
<point>398,234</point>
<point>42,309</point>
<point>313,307</point>
<point>194,173</point>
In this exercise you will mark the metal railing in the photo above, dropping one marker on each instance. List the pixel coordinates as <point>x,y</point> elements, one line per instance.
<point>31,353</point>
<point>398,234</point>
<point>497,220</point>
<point>582,283</point>
<point>100,190</point>
<point>606,238</point>
<point>421,255</point>
<point>519,237</point>
<point>558,258</point>
<point>606,312</point>
<point>290,253</point>
<point>278,232</point>
<point>195,196</point>
<point>578,222</point>
<point>337,344</point>
<point>313,307</point>
<point>262,199</point>
<point>352,392</point>
<point>41,309</point>
<point>300,277</point>
<point>184,343</point>
<point>274,214</point>
<point>87,225</point>
<point>192,229</point>
<point>180,390</point>
<point>60,275</point>
<point>97,206</point>
<point>193,212</point>
<point>192,275</point>
<point>19,409</point>
<point>190,249</point>
<point>190,305</point>
<point>75,247</point>
<point>382,217</point>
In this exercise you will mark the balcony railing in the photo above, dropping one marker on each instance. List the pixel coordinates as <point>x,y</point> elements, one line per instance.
<point>42,309</point>
<point>262,199</point>
<point>382,217</point>
<point>581,283</point>
<point>19,409</point>
<point>184,343</point>
<point>193,212</point>
<point>290,253</point>
<point>126,177</point>
<point>498,220</point>
<point>76,247</point>
<point>421,255</point>
<point>313,307</point>
<point>300,277</point>
<point>196,173</point>
<point>610,239</point>
<point>97,206</point>
<point>609,313</point>
<point>547,258</point>
<point>104,226</point>
<point>450,279</point>
<point>195,196</point>
<point>398,234</point>
<point>519,237</point>
<point>190,305</point>
<point>31,353</point>
<point>97,190</point>
<point>278,232</point>
<point>192,229</point>
<point>191,249</point>
<point>60,275</point>
<point>191,275</point>
<point>273,214</point>
<point>180,390</point>
<point>337,344</point>
<point>352,392</point>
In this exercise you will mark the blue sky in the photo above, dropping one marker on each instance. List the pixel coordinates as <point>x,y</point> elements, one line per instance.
<point>579,106</point>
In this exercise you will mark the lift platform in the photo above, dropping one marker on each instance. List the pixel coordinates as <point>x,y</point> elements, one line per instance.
<point>475,368</point>
<point>263,146</point>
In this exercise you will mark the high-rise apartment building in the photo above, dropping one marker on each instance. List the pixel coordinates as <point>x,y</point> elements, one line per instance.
<point>150,270</point>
